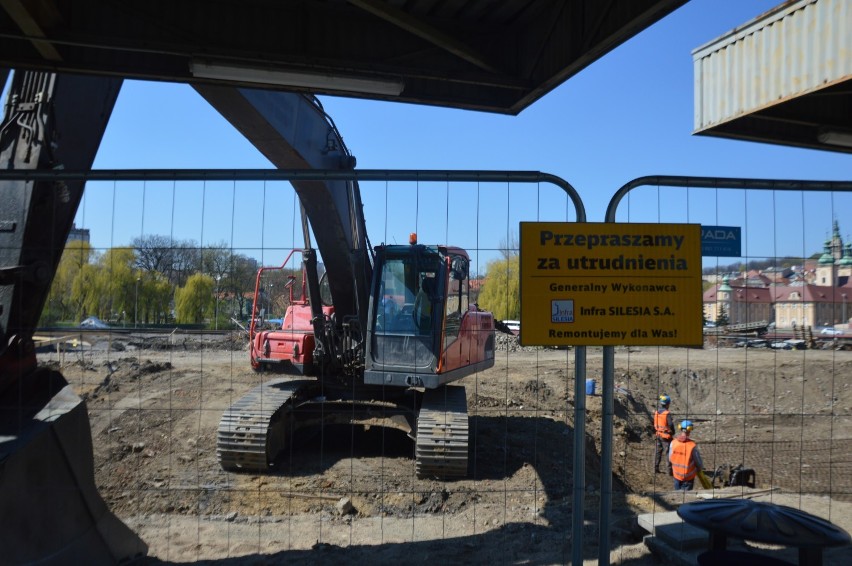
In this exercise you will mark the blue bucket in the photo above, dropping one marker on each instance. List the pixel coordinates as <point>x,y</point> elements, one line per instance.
<point>590,387</point>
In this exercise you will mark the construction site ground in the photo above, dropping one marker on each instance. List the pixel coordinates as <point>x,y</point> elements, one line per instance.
<point>351,495</point>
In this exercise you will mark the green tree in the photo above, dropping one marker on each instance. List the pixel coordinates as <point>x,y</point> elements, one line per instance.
<point>194,301</point>
<point>501,293</point>
<point>155,297</point>
<point>106,289</point>
<point>61,304</point>
<point>85,291</point>
<point>722,320</point>
<point>121,282</point>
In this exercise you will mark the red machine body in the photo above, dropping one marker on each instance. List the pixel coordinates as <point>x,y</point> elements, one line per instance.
<point>286,345</point>
<point>289,348</point>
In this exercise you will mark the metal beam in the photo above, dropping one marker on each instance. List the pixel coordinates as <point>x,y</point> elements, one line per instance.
<point>31,28</point>
<point>293,132</point>
<point>424,31</point>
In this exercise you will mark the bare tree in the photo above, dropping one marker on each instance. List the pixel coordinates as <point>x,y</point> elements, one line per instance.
<point>187,261</point>
<point>241,279</point>
<point>154,253</point>
<point>510,246</point>
<point>216,260</point>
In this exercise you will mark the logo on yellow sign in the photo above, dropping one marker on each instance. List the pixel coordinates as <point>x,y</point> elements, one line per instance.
<point>562,310</point>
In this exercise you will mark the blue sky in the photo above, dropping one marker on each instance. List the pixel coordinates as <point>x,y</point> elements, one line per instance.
<point>628,115</point>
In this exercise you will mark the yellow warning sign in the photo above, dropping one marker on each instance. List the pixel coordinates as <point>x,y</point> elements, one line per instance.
<point>607,284</point>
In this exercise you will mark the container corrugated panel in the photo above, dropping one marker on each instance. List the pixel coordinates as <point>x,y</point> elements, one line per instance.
<point>799,47</point>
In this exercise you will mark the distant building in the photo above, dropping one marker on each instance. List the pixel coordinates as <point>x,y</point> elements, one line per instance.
<point>778,275</point>
<point>78,234</point>
<point>817,294</point>
<point>834,267</point>
<point>811,305</point>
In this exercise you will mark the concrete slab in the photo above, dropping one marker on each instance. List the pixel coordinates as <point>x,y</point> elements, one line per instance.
<point>670,555</point>
<point>684,537</point>
<point>650,521</point>
<point>674,531</point>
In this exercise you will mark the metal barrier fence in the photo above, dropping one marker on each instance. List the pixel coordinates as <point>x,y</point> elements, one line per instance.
<point>154,400</point>
<point>767,414</point>
<point>349,492</point>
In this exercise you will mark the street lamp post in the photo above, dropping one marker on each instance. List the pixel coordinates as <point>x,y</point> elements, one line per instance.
<point>136,305</point>
<point>218,278</point>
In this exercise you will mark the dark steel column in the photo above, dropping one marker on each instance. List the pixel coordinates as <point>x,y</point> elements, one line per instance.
<point>50,122</point>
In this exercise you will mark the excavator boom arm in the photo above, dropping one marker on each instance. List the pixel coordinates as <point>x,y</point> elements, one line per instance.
<point>293,132</point>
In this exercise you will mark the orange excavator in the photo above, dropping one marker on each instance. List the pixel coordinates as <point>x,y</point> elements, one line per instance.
<point>377,340</point>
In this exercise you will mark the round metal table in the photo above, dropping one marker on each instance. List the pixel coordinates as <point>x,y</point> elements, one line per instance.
<point>764,522</point>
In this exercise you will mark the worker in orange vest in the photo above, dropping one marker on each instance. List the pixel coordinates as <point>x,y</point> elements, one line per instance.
<point>685,458</point>
<point>664,430</point>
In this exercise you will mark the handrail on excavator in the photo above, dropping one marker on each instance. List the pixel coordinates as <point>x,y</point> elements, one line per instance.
<point>260,271</point>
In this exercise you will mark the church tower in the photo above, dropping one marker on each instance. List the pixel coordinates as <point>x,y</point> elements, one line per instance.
<point>835,264</point>
<point>826,271</point>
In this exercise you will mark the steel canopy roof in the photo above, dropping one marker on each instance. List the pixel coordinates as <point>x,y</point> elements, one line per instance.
<point>498,56</point>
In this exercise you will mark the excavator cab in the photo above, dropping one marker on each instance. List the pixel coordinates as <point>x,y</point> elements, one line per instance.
<point>423,331</point>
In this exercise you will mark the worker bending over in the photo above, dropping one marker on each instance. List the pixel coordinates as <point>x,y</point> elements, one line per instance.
<point>685,458</point>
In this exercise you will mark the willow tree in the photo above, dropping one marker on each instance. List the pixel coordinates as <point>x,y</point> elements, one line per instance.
<point>194,301</point>
<point>107,288</point>
<point>155,297</point>
<point>61,303</point>
<point>501,291</point>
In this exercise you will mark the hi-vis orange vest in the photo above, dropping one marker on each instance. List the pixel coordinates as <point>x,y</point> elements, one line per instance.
<point>683,468</point>
<point>661,424</point>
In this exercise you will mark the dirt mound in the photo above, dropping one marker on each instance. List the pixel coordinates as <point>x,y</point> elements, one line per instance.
<point>121,371</point>
<point>194,342</point>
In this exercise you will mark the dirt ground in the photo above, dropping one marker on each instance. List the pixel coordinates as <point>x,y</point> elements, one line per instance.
<point>351,495</point>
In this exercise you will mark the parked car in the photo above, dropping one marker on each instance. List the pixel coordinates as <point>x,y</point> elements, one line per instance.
<point>93,322</point>
<point>829,331</point>
<point>514,326</point>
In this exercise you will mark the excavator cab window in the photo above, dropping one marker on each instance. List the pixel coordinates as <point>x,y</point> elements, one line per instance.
<point>408,306</point>
<point>393,297</point>
<point>457,299</point>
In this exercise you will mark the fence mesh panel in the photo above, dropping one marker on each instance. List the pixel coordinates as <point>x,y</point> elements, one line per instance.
<point>775,401</point>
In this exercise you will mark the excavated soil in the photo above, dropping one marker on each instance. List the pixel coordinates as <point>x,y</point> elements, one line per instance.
<point>351,495</point>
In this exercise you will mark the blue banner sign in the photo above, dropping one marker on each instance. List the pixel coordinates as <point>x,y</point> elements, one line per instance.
<point>721,241</point>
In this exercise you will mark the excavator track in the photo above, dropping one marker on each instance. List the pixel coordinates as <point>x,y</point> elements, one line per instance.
<point>441,447</point>
<point>246,440</point>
